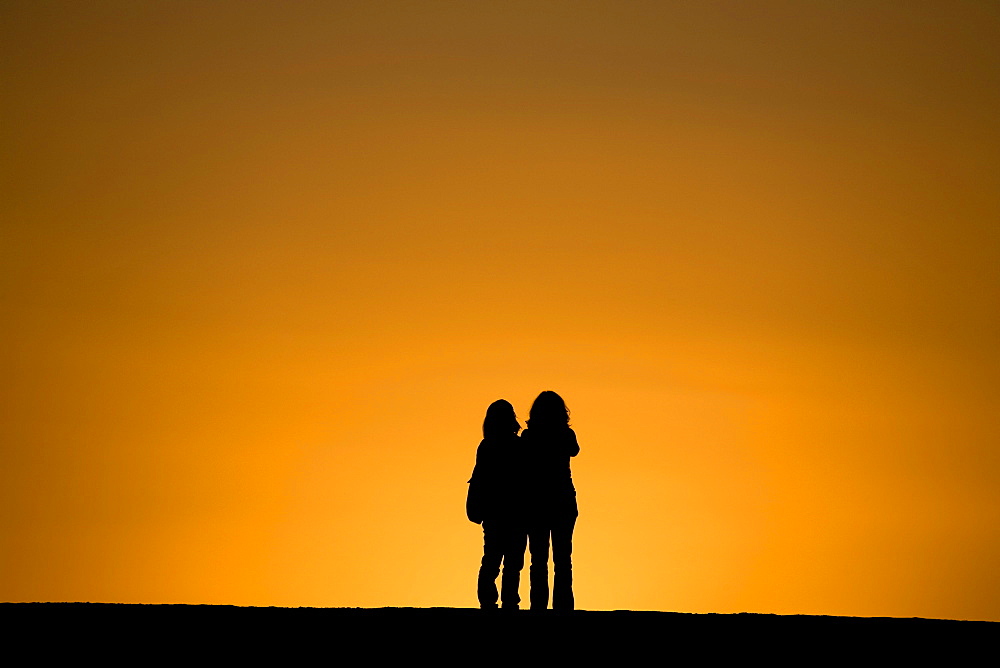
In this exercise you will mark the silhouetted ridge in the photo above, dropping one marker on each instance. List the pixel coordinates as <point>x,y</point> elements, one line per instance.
<point>231,632</point>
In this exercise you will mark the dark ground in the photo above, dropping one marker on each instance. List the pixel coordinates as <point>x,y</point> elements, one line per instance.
<point>125,632</point>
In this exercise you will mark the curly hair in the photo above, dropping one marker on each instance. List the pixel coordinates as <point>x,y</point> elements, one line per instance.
<point>549,411</point>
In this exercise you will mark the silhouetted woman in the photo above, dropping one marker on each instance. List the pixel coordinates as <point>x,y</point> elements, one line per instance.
<point>548,443</point>
<point>494,500</point>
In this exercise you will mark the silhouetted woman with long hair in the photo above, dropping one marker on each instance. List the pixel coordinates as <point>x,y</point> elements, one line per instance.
<point>494,500</point>
<point>551,511</point>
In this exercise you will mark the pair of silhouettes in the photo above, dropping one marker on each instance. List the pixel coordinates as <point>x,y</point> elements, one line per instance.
<point>522,492</point>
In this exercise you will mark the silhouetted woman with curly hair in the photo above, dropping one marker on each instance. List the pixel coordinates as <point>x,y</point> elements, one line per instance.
<point>551,511</point>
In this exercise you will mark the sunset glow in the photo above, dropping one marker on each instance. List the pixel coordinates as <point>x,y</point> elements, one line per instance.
<point>264,266</point>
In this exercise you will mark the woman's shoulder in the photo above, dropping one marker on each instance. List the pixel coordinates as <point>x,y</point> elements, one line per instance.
<point>553,436</point>
<point>529,434</point>
<point>491,443</point>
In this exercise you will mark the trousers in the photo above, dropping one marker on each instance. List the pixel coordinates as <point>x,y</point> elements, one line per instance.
<point>503,543</point>
<point>560,532</point>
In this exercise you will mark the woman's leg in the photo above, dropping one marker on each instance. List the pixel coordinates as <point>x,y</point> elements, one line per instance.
<point>562,564</point>
<point>513,562</point>
<point>538,546</point>
<point>489,569</point>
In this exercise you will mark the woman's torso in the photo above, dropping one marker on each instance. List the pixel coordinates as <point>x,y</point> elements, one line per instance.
<point>548,477</point>
<point>498,472</point>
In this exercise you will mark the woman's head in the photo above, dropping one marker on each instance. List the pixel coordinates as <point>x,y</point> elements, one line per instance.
<point>500,420</point>
<point>549,411</point>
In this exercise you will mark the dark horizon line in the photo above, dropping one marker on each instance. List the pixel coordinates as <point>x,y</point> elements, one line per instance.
<point>476,611</point>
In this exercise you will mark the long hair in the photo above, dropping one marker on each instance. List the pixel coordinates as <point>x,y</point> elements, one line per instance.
<point>549,411</point>
<point>500,420</point>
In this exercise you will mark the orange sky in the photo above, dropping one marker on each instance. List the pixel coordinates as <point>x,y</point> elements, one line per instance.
<point>264,265</point>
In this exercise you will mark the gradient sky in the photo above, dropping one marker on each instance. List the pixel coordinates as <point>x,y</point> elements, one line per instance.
<point>263,266</point>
